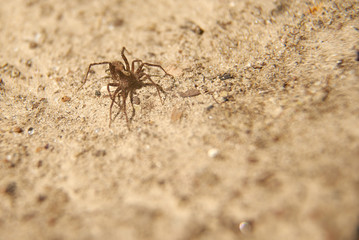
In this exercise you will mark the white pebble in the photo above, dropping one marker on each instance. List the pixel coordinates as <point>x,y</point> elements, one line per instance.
<point>213,152</point>
<point>245,227</point>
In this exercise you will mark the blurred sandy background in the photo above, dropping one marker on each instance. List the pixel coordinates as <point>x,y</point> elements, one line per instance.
<point>259,127</point>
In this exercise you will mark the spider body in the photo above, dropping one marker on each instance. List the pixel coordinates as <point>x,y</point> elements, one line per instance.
<point>127,79</point>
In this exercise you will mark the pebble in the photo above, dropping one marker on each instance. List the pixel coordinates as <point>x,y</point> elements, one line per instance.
<point>226,76</point>
<point>190,93</point>
<point>209,108</point>
<point>136,100</point>
<point>17,130</point>
<point>213,152</point>
<point>65,99</point>
<point>30,131</point>
<point>245,227</point>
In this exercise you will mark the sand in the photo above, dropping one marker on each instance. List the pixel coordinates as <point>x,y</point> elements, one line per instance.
<point>257,136</point>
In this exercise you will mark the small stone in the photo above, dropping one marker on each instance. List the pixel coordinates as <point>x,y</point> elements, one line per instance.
<point>246,227</point>
<point>98,93</point>
<point>65,99</point>
<point>33,45</point>
<point>213,152</point>
<point>15,72</point>
<point>198,30</point>
<point>226,76</point>
<point>193,27</point>
<point>18,130</point>
<point>30,131</point>
<point>209,108</point>
<point>190,93</point>
<point>39,164</point>
<point>28,63</point>
<point>340,63</point>
<point>136,100</point>
<point>39,149</point>
<point>118,22</point>
<point>41,198</point>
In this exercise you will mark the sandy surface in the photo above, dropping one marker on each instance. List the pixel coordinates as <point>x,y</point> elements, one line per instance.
<point>272,139</point>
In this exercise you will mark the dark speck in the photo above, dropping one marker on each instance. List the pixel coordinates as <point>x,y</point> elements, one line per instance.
<point>118,22</point>
<point>29,63</point>
<point>33,45</point>
<point>198,30</point>
<point>226,76</point>
<point>98,93</point>
<point>357,59</point>
<point>210,107</point>
<point>225,99</point>
<point>41,198</point>
<point>100,153</point>
<point>193,27</point>
<point>11,189</point>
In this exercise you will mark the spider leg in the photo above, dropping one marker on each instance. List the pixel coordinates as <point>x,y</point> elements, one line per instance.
<point>140,75</point>
<point>125,59</point>
<point>116,92</point>
<point>152,83</point>
<point>119,105</point>
<point>133,64</point>
<point>158,66</point>
<point>88,70</point>
<point>139,69</point>
<point>133,108</point>
<point>124,96</point>
<point>113,98</point>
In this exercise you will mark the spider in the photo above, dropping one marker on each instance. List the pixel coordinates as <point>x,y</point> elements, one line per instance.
<point>127,80</point>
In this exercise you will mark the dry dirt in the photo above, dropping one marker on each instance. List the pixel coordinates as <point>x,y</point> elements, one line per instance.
<point>271,142</point>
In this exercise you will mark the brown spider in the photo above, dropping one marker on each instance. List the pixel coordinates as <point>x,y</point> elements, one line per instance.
<point>127,80</point>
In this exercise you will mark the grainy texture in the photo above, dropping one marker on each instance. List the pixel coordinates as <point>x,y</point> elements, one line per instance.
<point>272,140</point>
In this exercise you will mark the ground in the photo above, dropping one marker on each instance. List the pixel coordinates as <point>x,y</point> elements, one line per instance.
<point>257,136</point>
